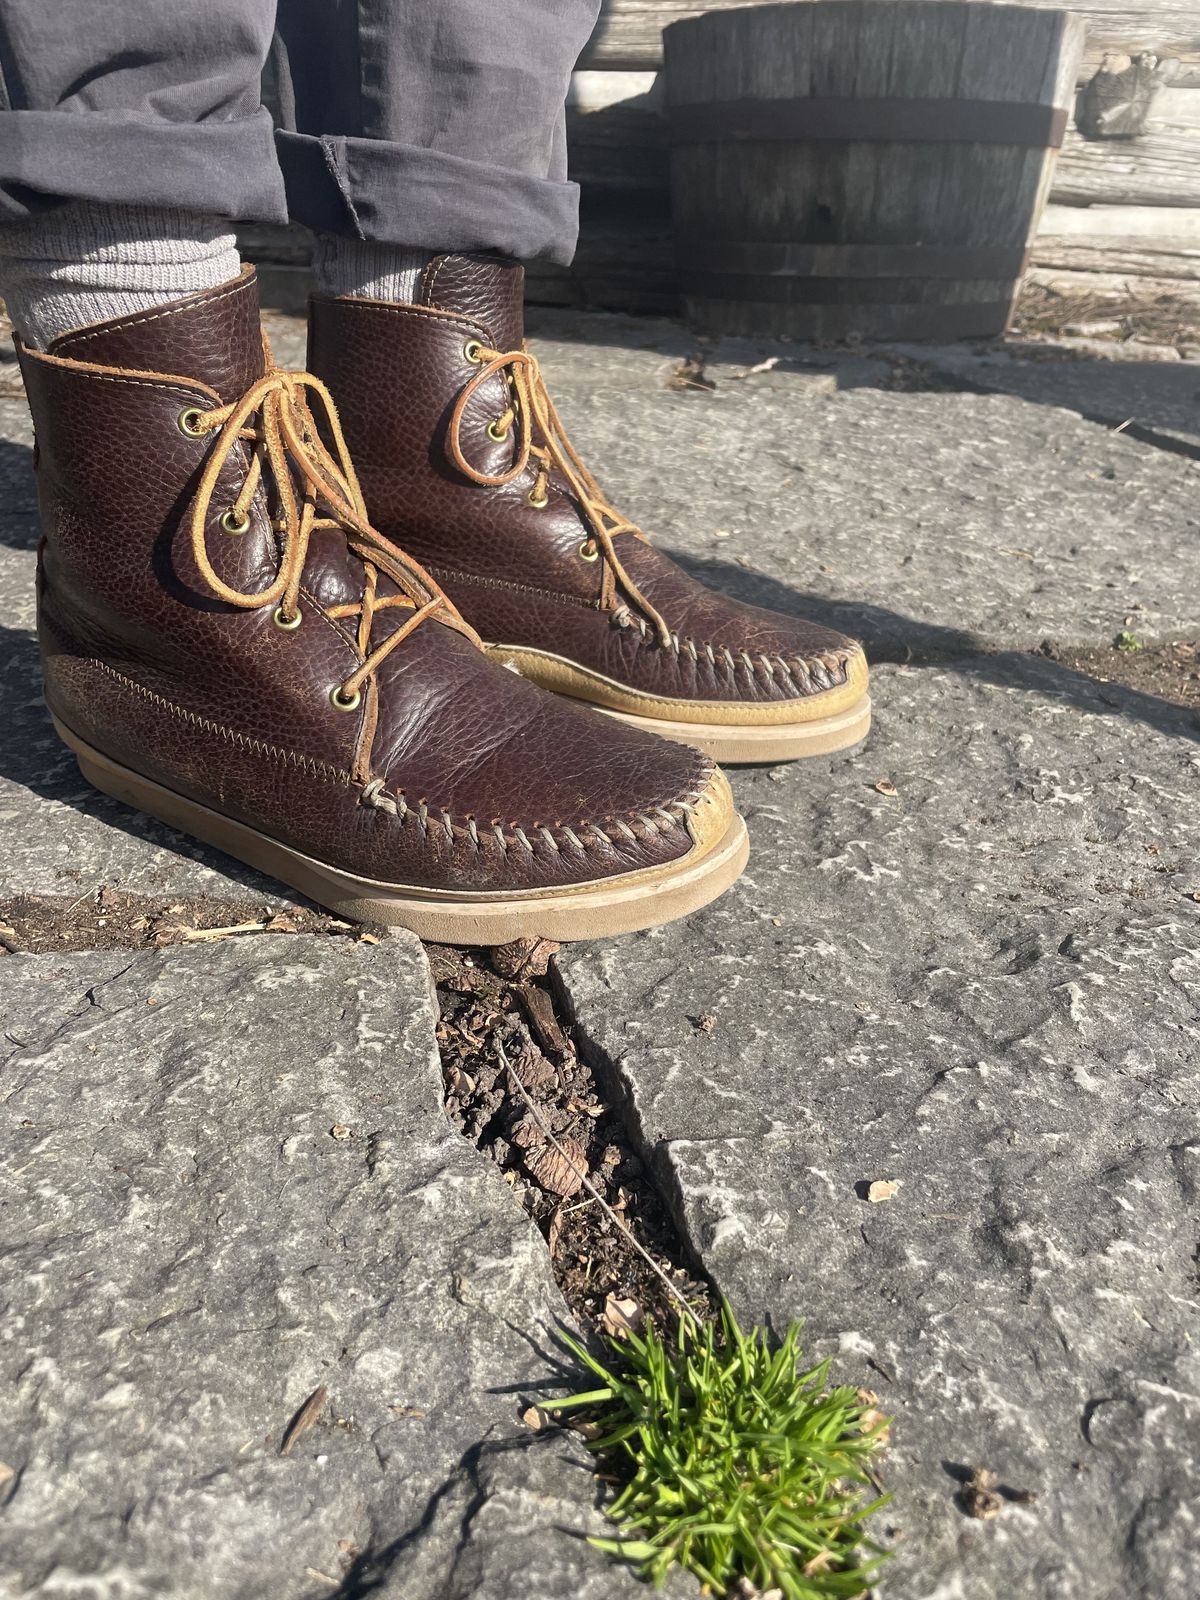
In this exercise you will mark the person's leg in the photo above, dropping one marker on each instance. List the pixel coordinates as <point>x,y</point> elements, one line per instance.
<point>130,135</point>
<point>429,124</point>
<point>139,103</point>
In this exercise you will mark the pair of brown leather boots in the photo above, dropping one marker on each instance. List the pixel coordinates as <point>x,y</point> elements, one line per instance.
<point>303,660</point>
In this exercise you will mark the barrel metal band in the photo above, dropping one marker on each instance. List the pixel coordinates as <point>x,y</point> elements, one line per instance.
<point>784,263</point>
<point>884,120</point>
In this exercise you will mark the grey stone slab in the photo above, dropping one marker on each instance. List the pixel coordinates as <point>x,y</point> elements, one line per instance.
<point>986,988</point>
<point>288,336</point>
<point>1112,385</point>
<point>190,1250</point>
<point>934,521</point>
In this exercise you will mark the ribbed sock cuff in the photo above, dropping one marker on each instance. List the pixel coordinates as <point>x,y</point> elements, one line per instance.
<point>85,262</point>
<point>367,270</point>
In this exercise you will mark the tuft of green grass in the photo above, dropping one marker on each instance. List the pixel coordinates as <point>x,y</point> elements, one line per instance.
<point>1127,641</point>
<point>737,1465</point>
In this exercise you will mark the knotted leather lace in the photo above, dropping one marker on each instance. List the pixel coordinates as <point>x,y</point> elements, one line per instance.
<point>541,438</point>
<point>273,417</point>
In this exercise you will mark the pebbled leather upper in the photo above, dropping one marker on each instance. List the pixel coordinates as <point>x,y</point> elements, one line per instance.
<point>517,573</point>
<point>477,779</point>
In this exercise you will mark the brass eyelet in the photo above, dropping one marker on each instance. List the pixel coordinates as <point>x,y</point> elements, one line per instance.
<point>341,702</point>
<point>233,523</point>
<point>473,351</point>
<point>539,502</point>
<point>495,432</point>
<point>188,421</point>
<point>590,550</point>
<point>288,624</point>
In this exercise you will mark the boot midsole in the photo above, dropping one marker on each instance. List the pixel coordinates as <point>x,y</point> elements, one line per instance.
<point>581,911</point>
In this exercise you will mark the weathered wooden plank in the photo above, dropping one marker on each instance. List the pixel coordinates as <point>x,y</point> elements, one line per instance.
<point>628,35</point>
<point>1111,256</point>
<point>1159,168</point>
<point>612,271</point>
<point>1129,291</point>
<point>1123,222</point>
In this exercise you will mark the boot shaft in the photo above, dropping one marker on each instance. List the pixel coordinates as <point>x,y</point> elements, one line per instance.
<point>121,596</point>
<point>396,373</point>
<point>117,466</point>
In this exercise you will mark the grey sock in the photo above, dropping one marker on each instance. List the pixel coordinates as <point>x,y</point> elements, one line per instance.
<point>84,262</point>
<point>367,270</point>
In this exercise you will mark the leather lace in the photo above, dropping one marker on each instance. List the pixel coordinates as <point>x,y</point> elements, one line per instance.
<point>273,417</point>
<point>542,439</point>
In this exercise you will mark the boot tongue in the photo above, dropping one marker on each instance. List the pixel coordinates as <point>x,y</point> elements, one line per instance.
<point>484,289</point>
<point>212,337</point>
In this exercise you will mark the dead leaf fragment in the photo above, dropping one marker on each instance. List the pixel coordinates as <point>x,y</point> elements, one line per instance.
<point>340,1132</point>
<point>306,1418</point>
<point>622,1317</point>
<point>768,365</point>
<point>978,1495</point>
<point>535,1418</point>
<point>872,1417</point>
<point>887,787</point>
<point>462,1084</point>
<point>524,958</point>
<point>558,1172</point>
<point>555,1229</point>
<point>882,1189</point>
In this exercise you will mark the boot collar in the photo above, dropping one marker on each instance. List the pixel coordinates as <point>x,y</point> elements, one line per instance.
<point>212,338</point>
<point>484,289</point>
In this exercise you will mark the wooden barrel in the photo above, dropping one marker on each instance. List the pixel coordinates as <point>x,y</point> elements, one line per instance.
<point>863,167</point>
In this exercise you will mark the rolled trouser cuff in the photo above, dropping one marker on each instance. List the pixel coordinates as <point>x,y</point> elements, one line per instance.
<point>222,169</point>
<point>423,199</point>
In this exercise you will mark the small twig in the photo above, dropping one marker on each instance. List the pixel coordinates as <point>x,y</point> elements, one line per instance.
<point>222,933</point>
<point>86,893</point>
<point>590,1186</point>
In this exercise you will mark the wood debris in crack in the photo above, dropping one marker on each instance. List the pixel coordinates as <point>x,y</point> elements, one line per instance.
<point>497,1005</point>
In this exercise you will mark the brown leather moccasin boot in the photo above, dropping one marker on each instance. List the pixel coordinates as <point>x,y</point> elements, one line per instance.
<point>464,462</point>
<point>229,646</point>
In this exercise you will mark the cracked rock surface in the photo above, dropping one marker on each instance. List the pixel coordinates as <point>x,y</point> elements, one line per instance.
<point>227,1180</point>
<point>918,520</point>
<point>985,988</point>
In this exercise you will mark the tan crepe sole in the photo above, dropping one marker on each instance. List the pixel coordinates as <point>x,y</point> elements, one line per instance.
<point>584,911</point>
<point>728,731</point>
